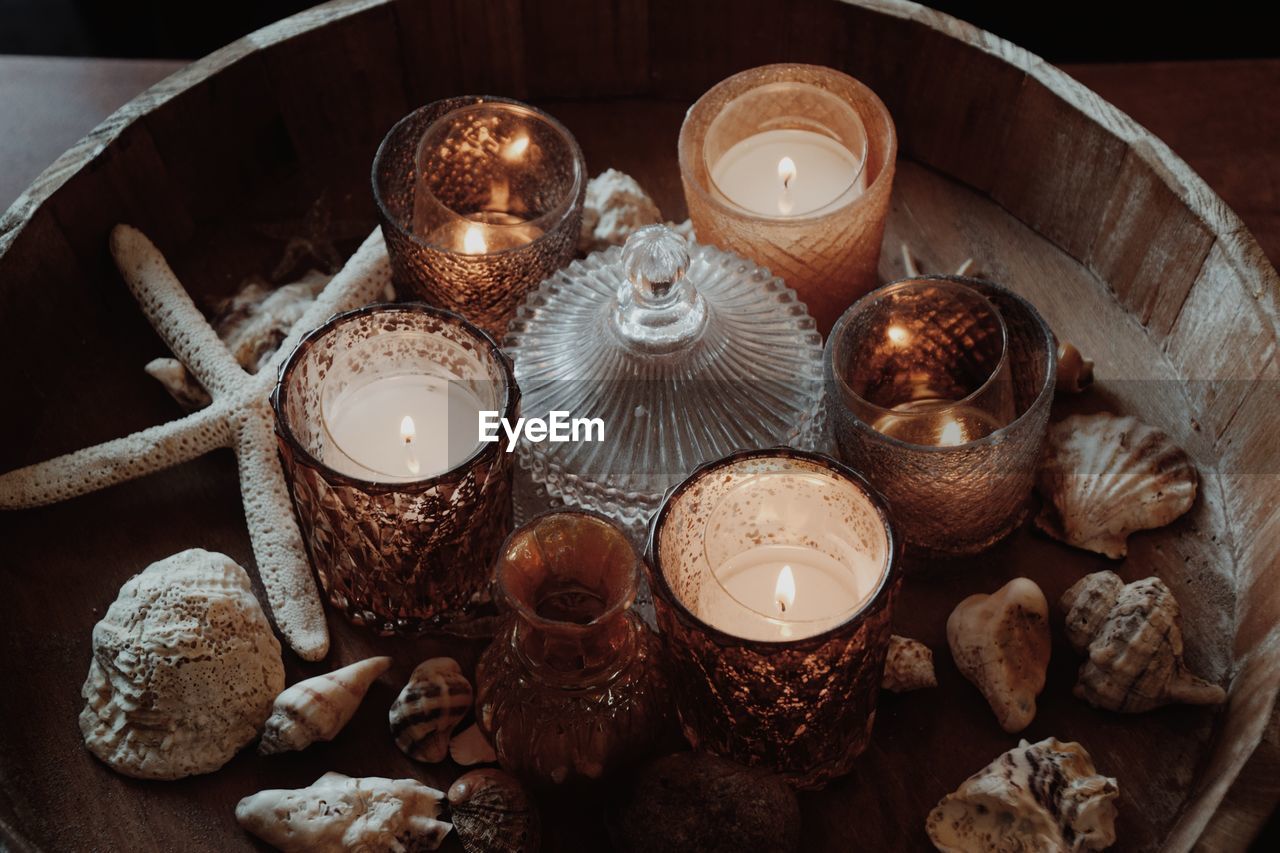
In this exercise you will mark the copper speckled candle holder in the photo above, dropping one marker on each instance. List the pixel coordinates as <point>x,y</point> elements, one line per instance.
<point>829,256</point>
<point>959,498</point>
<point>406,556</point>
<point>480,199</point>
<point>801,707</point>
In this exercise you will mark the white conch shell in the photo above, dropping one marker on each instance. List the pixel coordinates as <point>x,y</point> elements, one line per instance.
<point>429,708</point>
<point>337,814</point>
<point>318,708</point>
<point>470,746</point>
<point>184,669</point>
<point>1001,643</point>
<point>908,666</point>
<point>1044,797</point>
<point>1133,636</point>
<point>1103,477</point>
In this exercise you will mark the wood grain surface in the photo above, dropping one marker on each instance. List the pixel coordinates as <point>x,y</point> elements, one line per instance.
<point>1052,190</point>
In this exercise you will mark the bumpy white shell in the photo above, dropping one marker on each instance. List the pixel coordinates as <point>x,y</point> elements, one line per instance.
<point>337,814</point>
<point>1044,797</point>
<point>184,669</point>
<point>429,708</point>
<point>908,666</point>
<point>614,208</point>
<point>317,709</point>
<point>1133,636</point>
<point>1001,643</point>
<point>1103,477</point>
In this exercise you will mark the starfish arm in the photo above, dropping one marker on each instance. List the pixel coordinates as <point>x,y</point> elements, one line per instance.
<point>363,280</point>
<point>128,458</point>
<point>273,532</point>
<point>172,313</point>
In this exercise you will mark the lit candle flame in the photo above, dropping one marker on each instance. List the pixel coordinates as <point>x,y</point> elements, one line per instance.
<point>785,590</point>
<point>951,434</point>
<point>786,171</point>
<point>516,148</point>
<point>898,335</point>
<point>473,242</point>
<point>407,433</point>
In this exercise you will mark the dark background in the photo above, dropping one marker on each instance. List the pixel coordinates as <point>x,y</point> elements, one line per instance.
<point>1062,31</point>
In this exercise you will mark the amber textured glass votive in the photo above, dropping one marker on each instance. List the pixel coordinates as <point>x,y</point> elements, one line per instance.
<point>791,166</point>
<point>774,576</point>
<point>573,687</point>
<point>480,199</point>
<point>962,481</point>
<point>401,519</point>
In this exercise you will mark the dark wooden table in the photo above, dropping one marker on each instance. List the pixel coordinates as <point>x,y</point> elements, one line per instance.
<point>1221,117</point>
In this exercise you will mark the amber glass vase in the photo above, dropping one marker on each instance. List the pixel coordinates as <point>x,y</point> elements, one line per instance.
<point>572,687</point>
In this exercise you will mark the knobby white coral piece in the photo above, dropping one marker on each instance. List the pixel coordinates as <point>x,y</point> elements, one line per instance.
<point>239,417</point>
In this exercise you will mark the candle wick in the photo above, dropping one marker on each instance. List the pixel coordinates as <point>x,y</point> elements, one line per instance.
<point>782,606</point>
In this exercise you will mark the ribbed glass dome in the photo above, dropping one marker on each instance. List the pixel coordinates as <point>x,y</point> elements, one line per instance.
<point>685,353</point>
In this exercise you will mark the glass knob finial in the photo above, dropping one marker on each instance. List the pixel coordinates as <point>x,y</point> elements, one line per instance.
<point>657,308</point>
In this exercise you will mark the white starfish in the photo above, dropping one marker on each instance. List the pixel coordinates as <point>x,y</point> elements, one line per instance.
<point>239,417</point>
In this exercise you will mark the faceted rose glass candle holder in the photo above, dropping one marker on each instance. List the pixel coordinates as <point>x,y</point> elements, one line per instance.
<point>825,246</point>
<point>480,199</point>
<point>573,687</point>
<point>399,553</point>
<point>791,688</point>
<point>956,466</point>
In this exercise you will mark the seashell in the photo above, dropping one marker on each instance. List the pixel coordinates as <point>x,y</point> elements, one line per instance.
<point>1133,636</point>
<point>1001,643</point>
<point>429,708</point>
<point>184,669</point>
<point>492,813</point>
<point>1043,797</point>
<point>1075,372</point>
<point>318,708</point>
<point>470,746</point>
<point>1103,477</point>
<point>615,206</point>
<point>908,666</point>
<point>337,813</point>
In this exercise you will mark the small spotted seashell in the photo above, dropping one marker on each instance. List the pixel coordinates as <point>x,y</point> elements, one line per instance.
<point>428,709</point>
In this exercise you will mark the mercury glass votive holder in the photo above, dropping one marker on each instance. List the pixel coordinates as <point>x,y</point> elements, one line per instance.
<point>408,550</point>
<point>939,390</point>
<point>774,574</point>
<point>480,199</point>
<point>756,147</point>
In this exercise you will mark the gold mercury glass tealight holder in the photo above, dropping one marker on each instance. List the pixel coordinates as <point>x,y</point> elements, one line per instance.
<point>792,166</point>
<point>401,506</point>
<point>939,391</point>
<point>774,576</point>
<point>480,200</point>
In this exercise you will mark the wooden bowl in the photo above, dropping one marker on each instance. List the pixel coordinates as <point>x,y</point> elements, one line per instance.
<point>1003,158</point>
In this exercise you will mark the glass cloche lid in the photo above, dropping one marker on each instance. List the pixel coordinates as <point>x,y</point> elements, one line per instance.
<point>677,353</point>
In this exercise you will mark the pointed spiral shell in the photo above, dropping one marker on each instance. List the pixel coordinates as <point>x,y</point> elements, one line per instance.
<point>318,708</point>
<point>429,708</point>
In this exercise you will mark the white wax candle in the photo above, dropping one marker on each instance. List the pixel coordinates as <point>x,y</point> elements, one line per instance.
<point>485,233</point>
<point>785,592</point>
<point>938,423</point>
<point>402,427</point>
<point>781,173</point>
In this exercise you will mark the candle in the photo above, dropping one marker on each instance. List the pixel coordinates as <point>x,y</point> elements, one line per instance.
<point>939,423</point>
<point>774,576</point>
<point>406,427</point>
<point>485,232</point>
<point>789,173</point>
<point>785,592</point>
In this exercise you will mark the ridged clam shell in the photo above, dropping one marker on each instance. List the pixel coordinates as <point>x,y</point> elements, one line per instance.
<point>428,709</point>
<point>1001,643</point>
<point>1104,476</point>
<point>492,813</point>
<point>184,669</point>
<point>1132,634</point>
<point>1045,797</point>
<point>337,813</point>
<point>318,708</point>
